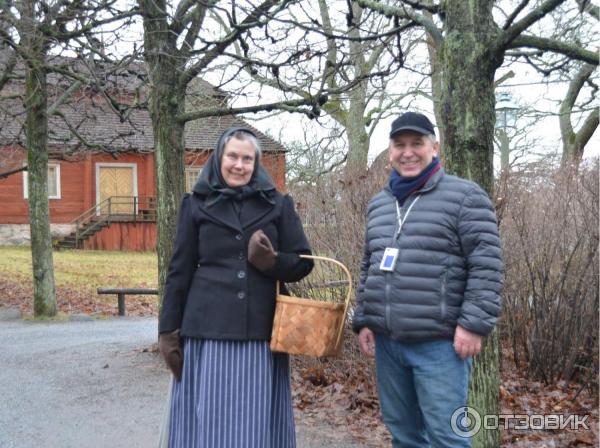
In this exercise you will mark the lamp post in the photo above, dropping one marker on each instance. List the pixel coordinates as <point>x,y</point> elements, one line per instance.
<point>506,117</point>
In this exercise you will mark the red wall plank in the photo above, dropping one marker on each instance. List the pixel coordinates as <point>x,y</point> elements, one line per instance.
<point>124,236</point>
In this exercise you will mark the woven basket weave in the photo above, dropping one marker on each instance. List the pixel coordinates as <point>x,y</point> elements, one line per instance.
<point>310,327</point>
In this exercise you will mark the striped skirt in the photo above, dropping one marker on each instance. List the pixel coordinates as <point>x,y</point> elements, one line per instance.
<point>232,394</point>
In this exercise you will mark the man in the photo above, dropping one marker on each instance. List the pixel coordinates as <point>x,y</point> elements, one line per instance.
<point>429,288</point>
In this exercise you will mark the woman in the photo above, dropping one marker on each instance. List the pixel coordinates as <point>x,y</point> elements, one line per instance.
<point>236,235</point>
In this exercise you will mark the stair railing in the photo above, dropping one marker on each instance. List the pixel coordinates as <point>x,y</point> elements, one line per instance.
<point>96,213</point>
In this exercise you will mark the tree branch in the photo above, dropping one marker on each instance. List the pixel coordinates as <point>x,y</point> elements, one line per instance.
<point>11,172</point>
<point>8,69</point>
<point>503,78</point>
<point>198,16</point>
<point>573,140</point>
<point>535,15</point>
<point>515,13</point>
<point>66,94</point>
<point>66,35</point>
<point>402,12</point>
<point>587,129</point>
<point>289,106</point>
<point>181,16</point>
<point>331,48</point>
<point>572,51</point>
<point>575,87</point>
<point>433,9</point>
<point>253,19</point>
<point>94,146</point>
<point>590,8</point>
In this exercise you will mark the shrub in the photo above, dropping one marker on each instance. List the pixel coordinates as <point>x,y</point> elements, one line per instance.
<point>549,228</point>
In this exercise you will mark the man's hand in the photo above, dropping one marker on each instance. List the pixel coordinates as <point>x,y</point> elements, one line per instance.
<point>466,343</point>
<point>366,341</point>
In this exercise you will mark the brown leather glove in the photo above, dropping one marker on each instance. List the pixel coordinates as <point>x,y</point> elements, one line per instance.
<point>169,345</point>
<point>260,251</point>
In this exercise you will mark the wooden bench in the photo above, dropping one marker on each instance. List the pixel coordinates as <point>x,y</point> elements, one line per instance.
<point>122,292</point>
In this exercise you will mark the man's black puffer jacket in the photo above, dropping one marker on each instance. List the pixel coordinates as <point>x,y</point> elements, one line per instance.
<point>449,268</point>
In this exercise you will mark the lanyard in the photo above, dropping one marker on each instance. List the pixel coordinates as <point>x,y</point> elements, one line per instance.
<point>400,220</point>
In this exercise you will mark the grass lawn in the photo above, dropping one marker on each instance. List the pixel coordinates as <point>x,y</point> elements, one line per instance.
<point>78,274</point>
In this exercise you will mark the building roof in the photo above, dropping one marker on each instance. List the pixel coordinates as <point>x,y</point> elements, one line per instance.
<point>91,116</point>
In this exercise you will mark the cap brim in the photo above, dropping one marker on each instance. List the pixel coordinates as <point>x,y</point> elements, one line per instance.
<point>410,128</point>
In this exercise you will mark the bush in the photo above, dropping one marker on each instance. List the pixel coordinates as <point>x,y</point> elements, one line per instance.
<point>549,229</point>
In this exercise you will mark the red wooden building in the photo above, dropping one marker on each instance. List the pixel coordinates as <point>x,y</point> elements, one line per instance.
<point>100,200</point>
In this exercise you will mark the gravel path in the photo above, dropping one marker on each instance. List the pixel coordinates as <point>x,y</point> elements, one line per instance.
<point>91,384</point>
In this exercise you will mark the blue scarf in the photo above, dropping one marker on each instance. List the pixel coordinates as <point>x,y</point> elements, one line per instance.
<point>402,187</point>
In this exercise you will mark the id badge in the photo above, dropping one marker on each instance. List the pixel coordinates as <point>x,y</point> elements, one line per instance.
<point>388,262</point>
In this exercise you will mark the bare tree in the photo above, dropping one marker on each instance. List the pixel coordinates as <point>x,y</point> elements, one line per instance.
<point>359,56</point>
<point>30,29</point>
<point>571,23</point>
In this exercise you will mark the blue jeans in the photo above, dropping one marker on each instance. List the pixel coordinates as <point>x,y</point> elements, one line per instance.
<point>420,385</point>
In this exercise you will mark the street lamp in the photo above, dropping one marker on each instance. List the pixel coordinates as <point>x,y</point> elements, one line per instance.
<point>506,117</point>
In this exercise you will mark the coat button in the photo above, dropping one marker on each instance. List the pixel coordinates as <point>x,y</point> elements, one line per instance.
<point>241,295</point>
<point>241,256</point>
<point>239,237</point>
<point>241,274</point>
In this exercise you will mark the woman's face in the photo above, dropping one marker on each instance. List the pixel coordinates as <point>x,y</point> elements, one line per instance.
<point>237,164</point>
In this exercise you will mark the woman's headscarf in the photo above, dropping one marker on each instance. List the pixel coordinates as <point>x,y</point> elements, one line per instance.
<point>212,185</point>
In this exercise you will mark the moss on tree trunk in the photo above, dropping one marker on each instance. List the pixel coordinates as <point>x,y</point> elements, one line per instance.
<point>469,59</point>
<point>167,102</point>
<point>36,130</point>
<point>169,171</point>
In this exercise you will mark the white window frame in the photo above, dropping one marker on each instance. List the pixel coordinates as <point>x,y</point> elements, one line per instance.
<point>189,168</point>
<point>56,166</point>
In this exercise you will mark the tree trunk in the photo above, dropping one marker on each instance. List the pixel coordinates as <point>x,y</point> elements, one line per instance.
<point>467,103</point>
<point>36,130</point>
<point>167,102</point>
<point>469,59</point>
<point>436,85</point>
<point>358,139</point>
<point>169,170</point>
<point>354,117</point>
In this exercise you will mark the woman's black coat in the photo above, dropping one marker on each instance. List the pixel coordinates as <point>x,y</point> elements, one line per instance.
<point>211,290</point>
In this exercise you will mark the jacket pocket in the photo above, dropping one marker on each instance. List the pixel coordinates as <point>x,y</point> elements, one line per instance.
<point>443,298</point>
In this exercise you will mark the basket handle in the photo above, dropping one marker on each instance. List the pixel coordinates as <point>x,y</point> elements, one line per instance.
<point>348,295</point>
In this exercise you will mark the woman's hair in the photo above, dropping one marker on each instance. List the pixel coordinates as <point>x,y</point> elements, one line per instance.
<point>246,137</point>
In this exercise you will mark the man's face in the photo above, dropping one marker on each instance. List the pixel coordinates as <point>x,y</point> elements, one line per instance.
<point>411,152</point>
<point>237,164</point>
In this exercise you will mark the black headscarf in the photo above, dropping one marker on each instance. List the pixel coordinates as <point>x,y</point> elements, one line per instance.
<point>212,185</point>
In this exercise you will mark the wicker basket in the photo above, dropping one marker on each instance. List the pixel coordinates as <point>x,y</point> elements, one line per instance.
<point>310,327</point>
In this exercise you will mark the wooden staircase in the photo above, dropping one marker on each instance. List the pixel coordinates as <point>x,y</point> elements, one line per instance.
<point>113,209</point>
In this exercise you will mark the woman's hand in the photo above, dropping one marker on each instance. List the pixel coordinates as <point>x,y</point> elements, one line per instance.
<point>169,345</point>
<point>260,251</point>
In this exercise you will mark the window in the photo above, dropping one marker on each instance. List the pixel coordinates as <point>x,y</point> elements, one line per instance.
<point>53,181</point>
<point>191,176</point>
